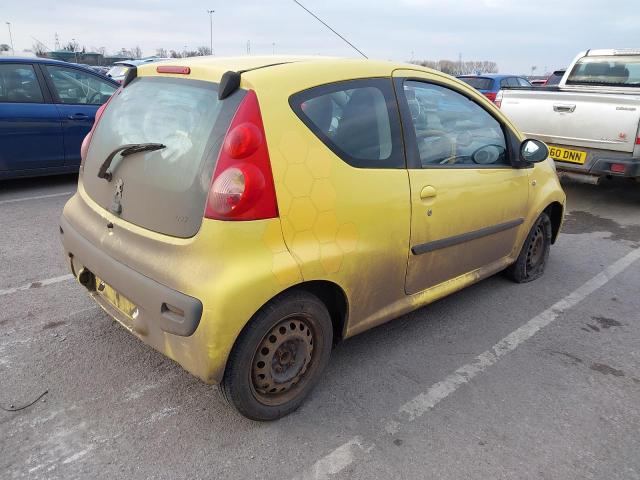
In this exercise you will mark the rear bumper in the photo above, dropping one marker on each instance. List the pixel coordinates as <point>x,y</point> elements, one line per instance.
<point>171,331</point>
<point>214,282</point>
<point>158,305</point>
<point>600,162</point>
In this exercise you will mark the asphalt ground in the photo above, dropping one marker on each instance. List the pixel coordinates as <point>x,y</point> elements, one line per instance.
<point>540,380</point>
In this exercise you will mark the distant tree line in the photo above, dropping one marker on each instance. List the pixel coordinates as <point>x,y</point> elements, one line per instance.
<point>452,67</point>
<point>136,52</point>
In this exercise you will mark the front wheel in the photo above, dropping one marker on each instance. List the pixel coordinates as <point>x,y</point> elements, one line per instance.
<point>279,357</point>
<point>535,252</point>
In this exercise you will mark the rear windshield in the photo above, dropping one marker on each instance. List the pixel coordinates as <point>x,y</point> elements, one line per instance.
<point>611,70</point>
<point>117,71</point>
<point>479,83</point>
<point>164,190</point>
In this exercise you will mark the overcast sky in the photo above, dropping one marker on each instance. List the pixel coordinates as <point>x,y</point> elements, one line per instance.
<point>516,34</point>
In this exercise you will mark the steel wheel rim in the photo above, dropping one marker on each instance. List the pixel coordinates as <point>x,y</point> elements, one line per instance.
<point>282,360</point>
<point>535,252</point>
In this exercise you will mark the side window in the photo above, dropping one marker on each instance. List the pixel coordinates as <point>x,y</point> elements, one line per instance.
<point>451,130</point>
<point>504,82</point>
<point>358,120</point>
<point>513,82</point>
<point>19,84</point>
<point>523,82</point>
<point>77,87</point>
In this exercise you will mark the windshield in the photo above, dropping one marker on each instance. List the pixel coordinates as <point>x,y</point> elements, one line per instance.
<point>118,71</point>
<point>479,83</point>
<point>615,71</point>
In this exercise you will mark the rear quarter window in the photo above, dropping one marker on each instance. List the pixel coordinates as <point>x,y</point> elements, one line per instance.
<point>358,120</point>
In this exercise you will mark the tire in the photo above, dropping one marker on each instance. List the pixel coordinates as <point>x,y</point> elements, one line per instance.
<point>534,255</point>
<point>279,357</point>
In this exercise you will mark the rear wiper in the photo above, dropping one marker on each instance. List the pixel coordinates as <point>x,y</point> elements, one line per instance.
<point>125,151</point>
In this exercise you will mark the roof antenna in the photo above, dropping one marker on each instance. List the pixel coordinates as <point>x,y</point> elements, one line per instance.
<point>325,24</point>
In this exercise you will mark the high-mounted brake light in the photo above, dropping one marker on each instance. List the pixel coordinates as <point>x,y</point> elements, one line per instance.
<point>84,148</point>
<point>173,69</point>
<point>242,186</point>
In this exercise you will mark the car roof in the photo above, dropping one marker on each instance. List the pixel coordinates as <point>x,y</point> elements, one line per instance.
<point>356,66</point>
<point>141,61</point>
<point>492,76</point>
<point>35,60</point>
<point>49,61</point>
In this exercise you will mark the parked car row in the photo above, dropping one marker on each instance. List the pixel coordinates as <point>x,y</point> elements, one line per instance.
<point>119,69</point>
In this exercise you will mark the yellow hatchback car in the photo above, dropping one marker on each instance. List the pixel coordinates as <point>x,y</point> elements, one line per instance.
<point>242,215</point>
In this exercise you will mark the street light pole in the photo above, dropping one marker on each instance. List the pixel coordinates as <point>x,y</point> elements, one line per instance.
<point>13,52</point>
<point>211,12</point>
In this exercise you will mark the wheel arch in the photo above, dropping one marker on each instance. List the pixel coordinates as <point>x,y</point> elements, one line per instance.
<point>330,293</point>
<point>555,210</point>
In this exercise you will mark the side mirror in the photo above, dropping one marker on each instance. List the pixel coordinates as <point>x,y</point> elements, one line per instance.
<point>533,151</point>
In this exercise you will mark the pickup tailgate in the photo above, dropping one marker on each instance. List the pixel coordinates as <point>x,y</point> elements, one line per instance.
<point>595,120</point>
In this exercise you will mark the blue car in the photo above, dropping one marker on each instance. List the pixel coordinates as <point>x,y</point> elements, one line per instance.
<point>47,107</point>
<point>490,84</point>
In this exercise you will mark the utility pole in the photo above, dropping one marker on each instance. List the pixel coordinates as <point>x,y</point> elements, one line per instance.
<point>211,12</point>
<point>248,47</point>
<point>13,52</point>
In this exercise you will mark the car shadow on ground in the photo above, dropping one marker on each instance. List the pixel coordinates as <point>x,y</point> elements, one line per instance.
<point>16,185</point>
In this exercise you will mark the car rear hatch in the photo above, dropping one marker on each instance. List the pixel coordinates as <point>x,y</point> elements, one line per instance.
<point>163,190</point>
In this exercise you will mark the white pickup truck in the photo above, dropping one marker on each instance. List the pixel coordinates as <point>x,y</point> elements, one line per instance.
<point>590,120</point>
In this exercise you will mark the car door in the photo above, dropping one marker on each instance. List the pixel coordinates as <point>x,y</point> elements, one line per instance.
<point>30,129</point>
<point>467,200</point>
<point>77,94</point>
<point>344,199</point>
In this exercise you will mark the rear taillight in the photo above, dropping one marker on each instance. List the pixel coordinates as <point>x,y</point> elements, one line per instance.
<point>498,99</point>
<point>84,148</point>
<point>491,96</point>
<point>242,185</point>
<point>617,167</point>
<point>638,141</point>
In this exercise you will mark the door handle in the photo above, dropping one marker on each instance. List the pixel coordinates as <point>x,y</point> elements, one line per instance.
<point>428,192</point>
<point>563,108</point>
<point>78,116</point>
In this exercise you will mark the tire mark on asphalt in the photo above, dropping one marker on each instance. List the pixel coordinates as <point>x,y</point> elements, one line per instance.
<point>38,284</point>
<point>356,448</point>
<point>35,197</point>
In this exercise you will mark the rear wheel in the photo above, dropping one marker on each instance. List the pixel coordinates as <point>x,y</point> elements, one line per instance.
<point>279,357</point>
<point>535,252</point>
